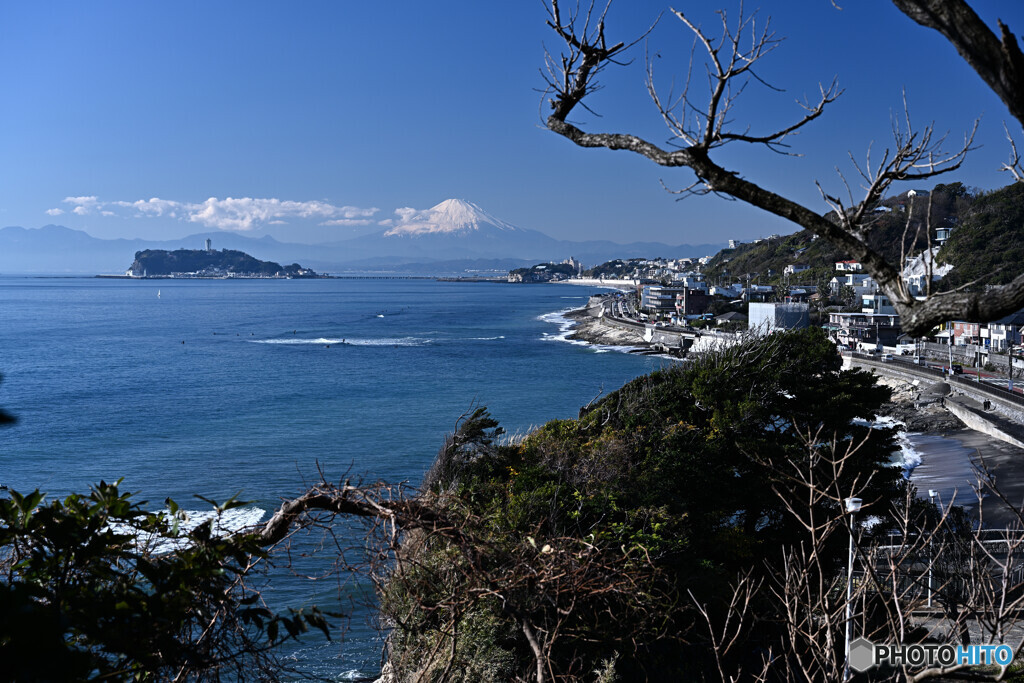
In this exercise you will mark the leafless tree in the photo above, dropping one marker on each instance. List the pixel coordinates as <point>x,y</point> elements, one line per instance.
<point>934,577</point>
<point>543,585</point>
<point>700,123</point>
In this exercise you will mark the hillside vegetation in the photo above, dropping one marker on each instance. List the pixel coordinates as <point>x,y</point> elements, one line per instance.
<point>900,226</point>
<point>155,262</point>
<point>589,545</point>
<point>987,245</point>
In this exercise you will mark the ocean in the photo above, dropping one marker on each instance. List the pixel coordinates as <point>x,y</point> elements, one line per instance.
<point>247,387</point>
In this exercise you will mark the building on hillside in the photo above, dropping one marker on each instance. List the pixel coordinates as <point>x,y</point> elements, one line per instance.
<point>877,304</point>
<point>858,330</point>
<point>799,295</point>
<point>730,317</point>
<point>941,235</point>
<point>692,302</point>
<point>1006,332</point>
<point>849,266</point>
<point>772,317</point>
<point>860,282</point>
<point>966,333</point>
<point>690,281</point>
<point>732,291</point>
<point>758,292</point>
<point>794,268</point>
<point>574,264</point>
<point>659,301</point>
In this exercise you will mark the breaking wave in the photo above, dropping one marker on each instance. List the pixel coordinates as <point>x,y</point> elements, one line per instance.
<point>565,327</point>
<point>228,522</point>
<point>350,341</point>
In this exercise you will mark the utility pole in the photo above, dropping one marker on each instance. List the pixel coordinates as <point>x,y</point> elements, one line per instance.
<point>950,349</point>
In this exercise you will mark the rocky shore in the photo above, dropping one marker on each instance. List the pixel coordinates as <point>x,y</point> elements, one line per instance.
<point>920,409</point>
<point>592,330</point>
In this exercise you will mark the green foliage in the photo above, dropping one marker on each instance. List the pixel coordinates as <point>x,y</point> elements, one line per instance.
<point>163,262</point>
<point>545,271</point>
<point>96,587</point>
<point>683,468</point>
<point>950,205</point>
<point>987,245</point>
<point>616,268</point>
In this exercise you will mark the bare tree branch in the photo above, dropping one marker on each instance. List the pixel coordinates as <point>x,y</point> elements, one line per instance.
<point>730,61</point>
<point>997,59</point>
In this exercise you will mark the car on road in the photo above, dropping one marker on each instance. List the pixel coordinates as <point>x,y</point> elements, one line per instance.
<point>886,356</point>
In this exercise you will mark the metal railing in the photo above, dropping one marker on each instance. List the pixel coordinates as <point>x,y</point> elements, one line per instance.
<point>963,382</point>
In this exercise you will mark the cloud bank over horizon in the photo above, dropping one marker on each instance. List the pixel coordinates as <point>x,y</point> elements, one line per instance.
<point>241,214</point>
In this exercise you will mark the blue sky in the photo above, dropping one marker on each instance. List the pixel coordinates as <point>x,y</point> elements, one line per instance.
<point>320,119</point>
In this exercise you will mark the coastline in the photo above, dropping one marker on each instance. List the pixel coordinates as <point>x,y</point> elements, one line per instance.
<point>588,328</point>
<point>939,452</point>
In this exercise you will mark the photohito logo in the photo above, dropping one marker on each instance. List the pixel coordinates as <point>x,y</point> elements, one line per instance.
<point>864,655</point>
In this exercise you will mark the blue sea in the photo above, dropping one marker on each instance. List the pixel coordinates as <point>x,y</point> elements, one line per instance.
<point>224,387</point>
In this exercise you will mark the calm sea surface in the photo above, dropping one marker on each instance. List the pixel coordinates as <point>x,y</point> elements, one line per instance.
<point>241,387</point>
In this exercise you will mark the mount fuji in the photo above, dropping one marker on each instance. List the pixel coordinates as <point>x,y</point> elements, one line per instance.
<point>450,237</point>
<point>451,216</point>
<point>457,229</point>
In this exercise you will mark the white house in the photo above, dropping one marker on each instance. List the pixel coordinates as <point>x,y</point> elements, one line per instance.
<point>849,266</point>
<point>1006,332</point>
<point>861,283</point>
<point>771,316</point>
<point>877,304</point>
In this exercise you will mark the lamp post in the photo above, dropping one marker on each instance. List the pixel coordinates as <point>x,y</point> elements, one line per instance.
<point>932,494</point>
<point>950,349</point>
<point>853,505</point>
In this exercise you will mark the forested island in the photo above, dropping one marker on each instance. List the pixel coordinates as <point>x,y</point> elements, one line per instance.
<point>210,263</point>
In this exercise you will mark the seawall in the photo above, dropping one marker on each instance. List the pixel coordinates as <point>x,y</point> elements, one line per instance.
<point>983,408</point>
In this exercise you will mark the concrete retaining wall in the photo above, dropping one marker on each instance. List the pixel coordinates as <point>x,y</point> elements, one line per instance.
<point>977,421</point>
<point>1006,407</point>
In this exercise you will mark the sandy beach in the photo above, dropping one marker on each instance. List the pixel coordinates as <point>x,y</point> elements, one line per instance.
<point>949,465</point>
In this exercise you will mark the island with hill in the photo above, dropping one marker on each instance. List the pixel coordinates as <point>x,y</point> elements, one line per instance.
<point>211,264</point>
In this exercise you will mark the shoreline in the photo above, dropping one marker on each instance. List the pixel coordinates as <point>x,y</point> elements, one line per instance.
<point>587,328</point>
<point>948,453</point>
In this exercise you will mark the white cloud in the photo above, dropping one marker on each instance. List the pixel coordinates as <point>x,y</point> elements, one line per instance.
<point>54,212</point>
<point>80,200</point>
<point>239,214</point>
<point>409,215</point>
<point>154,207</point>
<point>348,221</point>
<point>83,205</point>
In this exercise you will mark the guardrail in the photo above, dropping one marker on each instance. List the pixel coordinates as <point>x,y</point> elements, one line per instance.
<point>990,390</point>
<point>963,382</point>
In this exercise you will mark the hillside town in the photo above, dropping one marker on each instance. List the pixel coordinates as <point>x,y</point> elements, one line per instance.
<point>679,296</point>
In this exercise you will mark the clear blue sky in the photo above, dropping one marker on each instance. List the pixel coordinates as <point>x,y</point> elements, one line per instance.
<point>324,117</point>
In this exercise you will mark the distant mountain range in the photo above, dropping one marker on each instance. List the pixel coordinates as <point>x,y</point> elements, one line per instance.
<point>452,237</point>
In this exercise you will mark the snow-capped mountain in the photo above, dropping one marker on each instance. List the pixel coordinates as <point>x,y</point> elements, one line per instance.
<point>452,231</point>
<point>449,217</point>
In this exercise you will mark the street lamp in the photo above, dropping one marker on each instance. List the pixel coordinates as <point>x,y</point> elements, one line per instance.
<point>853,506</point>
<point>932,495</point>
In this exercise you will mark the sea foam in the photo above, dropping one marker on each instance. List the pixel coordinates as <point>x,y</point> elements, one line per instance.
<point>228,522</point>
